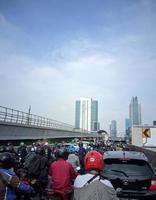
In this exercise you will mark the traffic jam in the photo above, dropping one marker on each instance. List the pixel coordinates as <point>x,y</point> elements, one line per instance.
<point>75,170</point>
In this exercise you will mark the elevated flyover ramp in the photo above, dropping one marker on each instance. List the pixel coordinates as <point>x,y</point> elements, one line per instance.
<point>18,125</point>
<point>10,131</point>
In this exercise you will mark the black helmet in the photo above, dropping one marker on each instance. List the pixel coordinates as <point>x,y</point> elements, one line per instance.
<point>2,148</point>
<point>61,153</point>
<point>40,151</point>
<point>10,149</point>
<point>6,160</point>
<point>9,144</point>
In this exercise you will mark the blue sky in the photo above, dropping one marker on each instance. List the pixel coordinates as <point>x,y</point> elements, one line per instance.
<point>52,52</point>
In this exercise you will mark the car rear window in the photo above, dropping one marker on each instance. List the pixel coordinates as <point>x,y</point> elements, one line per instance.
<point>130,167</point>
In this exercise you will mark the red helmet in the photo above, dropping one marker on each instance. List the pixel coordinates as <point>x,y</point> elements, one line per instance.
<point>94,160</point>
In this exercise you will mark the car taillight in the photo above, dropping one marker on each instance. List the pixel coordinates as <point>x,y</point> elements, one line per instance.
<point>153,184</point>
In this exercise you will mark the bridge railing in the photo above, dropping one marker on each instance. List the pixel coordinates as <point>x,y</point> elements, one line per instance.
<point>18,117</point>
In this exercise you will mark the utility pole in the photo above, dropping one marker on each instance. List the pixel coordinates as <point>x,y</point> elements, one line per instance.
<point>28,120</point>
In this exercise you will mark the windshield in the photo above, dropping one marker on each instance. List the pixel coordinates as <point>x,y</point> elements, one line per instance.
<point>128,167</point>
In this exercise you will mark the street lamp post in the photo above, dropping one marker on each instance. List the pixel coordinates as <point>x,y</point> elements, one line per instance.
<point>28,120</point>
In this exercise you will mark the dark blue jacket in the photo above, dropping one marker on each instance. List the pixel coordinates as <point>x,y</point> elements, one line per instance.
<point>81,151</point>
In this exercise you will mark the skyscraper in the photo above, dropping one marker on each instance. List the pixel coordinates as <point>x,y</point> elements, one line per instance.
<point>77,114</point>
<point>135,112</point>
<point>127,128</point>
<point>113,129</point>
<point>86,114</point>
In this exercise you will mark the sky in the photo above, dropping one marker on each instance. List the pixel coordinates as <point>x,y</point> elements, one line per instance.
<point>53,52</point>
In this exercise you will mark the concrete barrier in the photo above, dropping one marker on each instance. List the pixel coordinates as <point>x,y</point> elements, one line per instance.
<point>151,155</point>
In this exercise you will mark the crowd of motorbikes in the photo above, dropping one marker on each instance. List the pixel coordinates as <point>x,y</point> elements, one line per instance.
<point>20,155</point>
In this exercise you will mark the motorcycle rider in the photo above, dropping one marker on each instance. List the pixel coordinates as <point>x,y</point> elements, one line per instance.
<point>62,174</point>
<point>92,185</point>
<point>73,158</point>
<point>2,148</point>
<point>9,182</point>
<point>22,152</point>
<point>38,171</point>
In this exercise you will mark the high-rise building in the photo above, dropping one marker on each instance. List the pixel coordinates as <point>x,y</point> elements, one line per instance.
<point>113,129</point>
<point>135,112</point>
<point>77,114</point>
<point>86,114</point>
<point>154,123</point>
<point>127,128</point>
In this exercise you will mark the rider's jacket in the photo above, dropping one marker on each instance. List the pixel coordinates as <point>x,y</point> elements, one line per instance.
<point>74,160</point>
<point>62,173</point>
<point>91,187</point>
<point>96,190</point>
<point>9,183</point>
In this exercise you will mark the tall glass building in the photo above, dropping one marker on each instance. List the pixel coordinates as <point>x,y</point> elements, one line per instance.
<point>135,112</point>
<point>86,114</point>
<point>127,128</point>
<point>113,129</point>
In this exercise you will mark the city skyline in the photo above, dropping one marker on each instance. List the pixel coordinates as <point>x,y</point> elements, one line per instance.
<point>54,52</point>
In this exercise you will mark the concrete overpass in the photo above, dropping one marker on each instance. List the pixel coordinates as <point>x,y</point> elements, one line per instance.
<point>18,125</point>
<point>11,131</point>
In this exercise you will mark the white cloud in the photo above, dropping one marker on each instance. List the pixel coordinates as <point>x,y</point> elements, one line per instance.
<point>76,69</point>
<point>46,86</point>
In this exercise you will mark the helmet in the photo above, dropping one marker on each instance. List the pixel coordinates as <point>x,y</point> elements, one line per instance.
<point>61,153</point>
<point>21,144</point>
<point>94,160</point>
<point>2,148</point>
<point>40,151</point>
<point>71,149</point>
<point>10,149</point>
<point>9,144</point>
<point>6,160</point>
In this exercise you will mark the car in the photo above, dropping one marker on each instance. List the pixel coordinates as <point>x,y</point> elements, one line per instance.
<point>131,174</point>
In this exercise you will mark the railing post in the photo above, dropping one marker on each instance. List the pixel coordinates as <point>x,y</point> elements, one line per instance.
<point>17,116</point>
<point>11,115</point>
<point>5,114</point>
<point>28,118</point>
<point>22,118</point>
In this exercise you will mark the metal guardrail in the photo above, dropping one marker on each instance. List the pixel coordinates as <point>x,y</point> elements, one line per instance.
<point>18,117</point>
<point>152,148</point>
